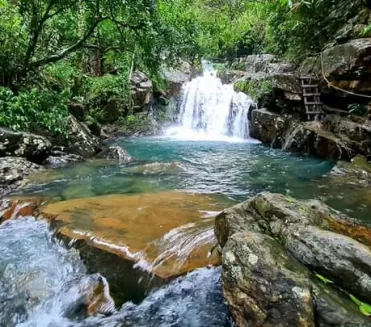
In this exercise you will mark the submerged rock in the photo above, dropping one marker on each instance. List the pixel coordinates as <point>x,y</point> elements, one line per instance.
<point>273,235</point>
<point>155,168</point>
<point>20,144</point>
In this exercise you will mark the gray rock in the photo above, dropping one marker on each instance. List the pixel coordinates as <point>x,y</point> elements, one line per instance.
<point>80,140</point>
<point>13,170</point>
<point>20,144</point>
<point>141,91</point>
<point>287,82</point>
<point>263,286</point>
<point>283,131</point>
<point>61,159</point>
<point>268,240</point>
<point>338,257</point>
<point>115,153</point>
<point>268,127</point>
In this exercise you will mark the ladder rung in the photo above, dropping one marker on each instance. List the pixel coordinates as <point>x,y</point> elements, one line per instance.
<point>311,94</point>
<point>307,86</point>
<point>312,103</point>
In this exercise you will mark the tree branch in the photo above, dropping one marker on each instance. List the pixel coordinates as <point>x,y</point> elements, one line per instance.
<point>36,30</point>
<point>72,48</point>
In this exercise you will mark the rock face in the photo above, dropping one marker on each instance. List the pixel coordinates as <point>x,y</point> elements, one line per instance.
<point>115,153</point>
<point>80,140</point>
<point>175,78</point>
<point>19,144</point>
<point>272,247</point>
<point>13,171</point>
<point>262,285</point>
<point>141,91</point>
<point>335,138</point>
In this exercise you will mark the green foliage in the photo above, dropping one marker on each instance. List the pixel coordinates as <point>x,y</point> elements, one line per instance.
<point>363,307</point>
<point>33,111</point>
<point>323,279</point>
<point>357,109</point>
<point>297,28</point>
<point>255,88</point>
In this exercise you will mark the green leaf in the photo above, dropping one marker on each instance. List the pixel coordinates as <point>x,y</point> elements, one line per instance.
<point>365,309</point>
<point>324,279</point>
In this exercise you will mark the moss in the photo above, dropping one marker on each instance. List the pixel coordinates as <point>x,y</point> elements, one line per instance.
<point>239,66</point>
<point>220,69</point>
<point>254,87</point>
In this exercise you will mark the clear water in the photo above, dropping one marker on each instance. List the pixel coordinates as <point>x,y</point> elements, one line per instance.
<point>44,284</point>
<point>38,289</point>
<point>236,170</point>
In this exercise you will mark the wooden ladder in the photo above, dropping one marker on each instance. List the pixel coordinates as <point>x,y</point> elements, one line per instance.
<point>312,98</point>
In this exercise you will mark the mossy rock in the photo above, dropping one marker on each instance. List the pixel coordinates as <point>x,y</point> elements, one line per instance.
<point>255,87</point>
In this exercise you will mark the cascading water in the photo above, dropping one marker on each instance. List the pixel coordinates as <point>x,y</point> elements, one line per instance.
<point>212,110</point>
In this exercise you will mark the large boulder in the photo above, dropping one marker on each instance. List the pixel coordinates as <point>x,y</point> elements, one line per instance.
<point>80,140</point>
<point>268,127</point>
<point>13,171</point>
<point>20,144</point>
<point>268,240</point>
<point>262,284</point>
<point>314,138</point>
<point>176,77</point>
<point>141,91</point>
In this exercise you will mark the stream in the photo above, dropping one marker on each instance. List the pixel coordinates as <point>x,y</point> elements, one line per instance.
<point>45,283</point>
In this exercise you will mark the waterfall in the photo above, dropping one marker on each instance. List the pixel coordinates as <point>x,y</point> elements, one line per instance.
<point>212,110</point>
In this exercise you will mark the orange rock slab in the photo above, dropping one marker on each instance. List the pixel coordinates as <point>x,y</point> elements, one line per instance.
<point>166,233</point>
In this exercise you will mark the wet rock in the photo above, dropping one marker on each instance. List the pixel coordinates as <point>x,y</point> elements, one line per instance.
<point>59,158</point>
<point>313,139</point>
<point>12,208</point>
<point>268,127</point>
<point>142,229</point>
<point>355,130</point>
<point>357,172</point>
<point>155,168</point>
<point>19,144</point>
<point>80,140</point>
<point>281,131</point>
<point>13,171</point>
<point>263,285</point>
<point>115,153</point>
<point>89,293</point>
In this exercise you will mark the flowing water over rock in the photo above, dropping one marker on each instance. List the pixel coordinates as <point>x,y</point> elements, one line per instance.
<point>166,233</point>
<point>44,284</point>
<point>212,110</point>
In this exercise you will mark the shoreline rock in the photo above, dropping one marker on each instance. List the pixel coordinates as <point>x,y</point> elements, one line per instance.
<point>269,239</point>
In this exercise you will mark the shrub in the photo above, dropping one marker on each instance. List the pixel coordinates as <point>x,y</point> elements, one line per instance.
<point>34,110</point>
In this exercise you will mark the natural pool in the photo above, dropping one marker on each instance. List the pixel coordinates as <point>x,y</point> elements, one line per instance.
<point>35,293</point>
